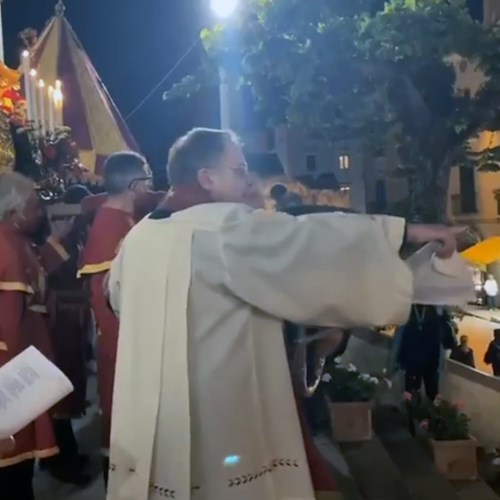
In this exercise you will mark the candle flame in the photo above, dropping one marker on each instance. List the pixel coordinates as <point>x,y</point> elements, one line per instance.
<point>58,84</point>
<point>50,90</point>
<point>57,96</point>
<point>41,84</point>
<point>33,72</point>
<point>26,53</point>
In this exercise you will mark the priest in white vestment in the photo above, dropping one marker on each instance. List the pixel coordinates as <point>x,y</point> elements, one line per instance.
<point>203,404</point>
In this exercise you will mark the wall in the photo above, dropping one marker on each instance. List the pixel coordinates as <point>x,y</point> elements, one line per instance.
<point>370,352</point>
<point>491,11</point>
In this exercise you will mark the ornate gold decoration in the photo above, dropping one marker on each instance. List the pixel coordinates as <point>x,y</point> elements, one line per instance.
<point>7,153</point>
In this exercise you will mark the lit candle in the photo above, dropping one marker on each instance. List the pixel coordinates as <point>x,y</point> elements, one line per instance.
<point>51,109</point>
<point>25,65</point>
<point>41,87</point>
<point>34,108</point>
<point>58,104</point>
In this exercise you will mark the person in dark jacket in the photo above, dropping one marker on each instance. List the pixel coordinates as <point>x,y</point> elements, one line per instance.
<point>463,353</point>
<point>492,356</point>
<point>421,343</point>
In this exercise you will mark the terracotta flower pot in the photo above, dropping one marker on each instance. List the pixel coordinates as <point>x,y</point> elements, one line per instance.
<point>351,422</point>
<point>456,460</point>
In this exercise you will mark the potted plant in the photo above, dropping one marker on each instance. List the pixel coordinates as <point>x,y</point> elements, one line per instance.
<point>447,426</point>
<point>349,397</point>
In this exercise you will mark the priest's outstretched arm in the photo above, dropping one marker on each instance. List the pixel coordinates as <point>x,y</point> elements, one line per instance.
<point>324,269</point>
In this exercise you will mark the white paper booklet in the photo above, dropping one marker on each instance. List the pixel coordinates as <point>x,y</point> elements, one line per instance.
<point>29,385</point>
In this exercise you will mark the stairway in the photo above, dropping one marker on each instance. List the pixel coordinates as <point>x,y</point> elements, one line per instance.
<point>394,466</point>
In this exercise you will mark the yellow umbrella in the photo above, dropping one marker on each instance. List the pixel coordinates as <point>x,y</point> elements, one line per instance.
<point>483,253</point>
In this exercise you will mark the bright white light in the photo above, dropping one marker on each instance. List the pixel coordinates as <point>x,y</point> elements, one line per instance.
<point>223,8</point>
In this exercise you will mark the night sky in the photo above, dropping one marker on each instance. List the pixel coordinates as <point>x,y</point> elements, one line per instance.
<point>133,44</point>
<point>132,47</point>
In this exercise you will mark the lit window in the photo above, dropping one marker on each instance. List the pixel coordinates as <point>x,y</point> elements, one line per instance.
<point>344,162</point>
<point>311,163</point>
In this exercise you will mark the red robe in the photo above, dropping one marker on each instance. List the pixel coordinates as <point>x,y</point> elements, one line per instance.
<point>109,228</point>
<point>322,472</point>
<point>69,328</point>
<point>23,322</point>
<point>143,206</point>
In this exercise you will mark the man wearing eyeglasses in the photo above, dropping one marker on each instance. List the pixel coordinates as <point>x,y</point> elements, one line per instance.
<point>203,403</point>
<point>126,180</point>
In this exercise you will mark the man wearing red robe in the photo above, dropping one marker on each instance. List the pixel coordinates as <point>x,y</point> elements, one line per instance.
<point>69,328</point>
<point>23,321</point>
<point>126,180</point>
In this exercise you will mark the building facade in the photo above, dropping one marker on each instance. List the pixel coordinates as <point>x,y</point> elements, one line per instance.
<point>305,158</point>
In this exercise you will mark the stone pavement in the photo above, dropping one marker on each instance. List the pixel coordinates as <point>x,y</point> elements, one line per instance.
<point>478,324</point>
<point>50,490</point>
<point>88,433</point>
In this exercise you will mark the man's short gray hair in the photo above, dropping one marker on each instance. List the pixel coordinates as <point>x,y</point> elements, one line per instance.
<point>199,148</point>
<point>15,190</point>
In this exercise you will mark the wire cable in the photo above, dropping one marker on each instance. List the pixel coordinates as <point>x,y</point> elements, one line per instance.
<point>163,80</point>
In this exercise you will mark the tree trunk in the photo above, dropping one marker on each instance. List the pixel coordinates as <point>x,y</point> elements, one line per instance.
<point>433,197</point>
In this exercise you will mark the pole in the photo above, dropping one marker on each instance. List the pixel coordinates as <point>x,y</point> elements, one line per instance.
<point>224,96</point>
<point>2,52</point>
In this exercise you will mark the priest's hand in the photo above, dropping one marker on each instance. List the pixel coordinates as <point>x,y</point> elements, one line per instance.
<point>420,234</point>
<point>7,445</point>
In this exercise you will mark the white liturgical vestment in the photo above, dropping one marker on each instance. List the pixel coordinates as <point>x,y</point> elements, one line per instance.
<point>203,404</point>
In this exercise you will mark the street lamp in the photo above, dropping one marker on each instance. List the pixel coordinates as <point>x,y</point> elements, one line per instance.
<point>223,8</point>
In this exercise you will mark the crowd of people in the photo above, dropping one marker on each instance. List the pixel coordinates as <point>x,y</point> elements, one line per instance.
<point>187,292</point>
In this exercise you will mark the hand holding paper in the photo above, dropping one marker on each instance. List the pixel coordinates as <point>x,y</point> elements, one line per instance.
<point>29,385</point>
<point>444,235</point>
<point>440,282</point>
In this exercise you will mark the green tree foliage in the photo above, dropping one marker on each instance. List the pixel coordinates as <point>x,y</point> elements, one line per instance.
<point>369,73</point>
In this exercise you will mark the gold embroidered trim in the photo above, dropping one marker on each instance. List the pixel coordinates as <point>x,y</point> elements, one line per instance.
<point>94,268</point>
<point>161,490</point>
<point>266,469</point>
<point>15,286</point>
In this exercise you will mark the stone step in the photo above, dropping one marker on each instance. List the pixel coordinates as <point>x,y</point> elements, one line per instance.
<point>375,474</point>
<point>415,465</point>
<point>348,489</point>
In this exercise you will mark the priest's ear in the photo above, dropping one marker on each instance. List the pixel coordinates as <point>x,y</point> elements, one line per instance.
<point>206,178</point>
